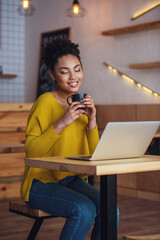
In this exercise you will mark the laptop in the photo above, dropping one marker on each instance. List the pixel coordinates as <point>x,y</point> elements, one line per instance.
<point>123,140</point>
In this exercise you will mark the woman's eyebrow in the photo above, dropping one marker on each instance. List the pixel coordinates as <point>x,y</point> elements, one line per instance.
<point>68,68</point>
<point>63,68</point>
<point>77,65</point>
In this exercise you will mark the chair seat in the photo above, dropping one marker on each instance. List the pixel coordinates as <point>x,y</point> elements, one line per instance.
<point>144,237</point>
<point>20,207</point>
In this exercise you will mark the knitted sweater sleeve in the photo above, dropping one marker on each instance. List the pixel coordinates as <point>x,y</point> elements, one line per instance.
<point>40,134</point>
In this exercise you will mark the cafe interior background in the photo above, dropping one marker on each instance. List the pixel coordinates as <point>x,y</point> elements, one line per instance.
<point>121,62</point>
<point>20,48</point>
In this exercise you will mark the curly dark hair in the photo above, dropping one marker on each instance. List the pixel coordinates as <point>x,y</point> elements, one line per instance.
<point>58,48</point>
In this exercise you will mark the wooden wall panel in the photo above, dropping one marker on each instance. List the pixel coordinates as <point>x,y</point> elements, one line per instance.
<point>148,112</point>
<point>12,121</point>
<point>15,137</point>
<point>115,113</point>
<point>10,190</point>
<point>11,172</point>
<point>127,180</point>
<point>12,164</point>
<point>148,195</point>
<point>140,184</point>
<point>149,181</point>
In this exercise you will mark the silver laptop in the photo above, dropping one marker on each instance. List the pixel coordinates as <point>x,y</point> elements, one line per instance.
<point>123,140</point>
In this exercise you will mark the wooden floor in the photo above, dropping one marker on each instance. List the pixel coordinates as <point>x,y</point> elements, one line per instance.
<point>136,217</point>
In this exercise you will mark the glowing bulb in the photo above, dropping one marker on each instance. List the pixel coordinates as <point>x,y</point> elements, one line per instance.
<point>25,4</point>
<point>128,78</point>
<point>114,70</point>
<point>75,9</point>
<point>139,85</point>
<point>110,67</point>
<point>155,94</point>
<point>147,89</point>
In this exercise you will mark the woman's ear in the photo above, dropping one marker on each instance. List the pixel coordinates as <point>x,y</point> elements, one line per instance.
<point>52,76</point>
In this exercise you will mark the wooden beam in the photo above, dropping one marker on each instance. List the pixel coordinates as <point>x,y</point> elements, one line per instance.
<point>145,65</point>
<point>132,29</point>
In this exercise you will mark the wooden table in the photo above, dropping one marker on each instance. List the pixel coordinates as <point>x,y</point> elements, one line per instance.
<point>107,170</point>
<point>8,147</point>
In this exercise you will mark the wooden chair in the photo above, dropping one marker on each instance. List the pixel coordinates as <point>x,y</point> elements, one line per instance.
<point>21,208</point>
<point>142,237</point>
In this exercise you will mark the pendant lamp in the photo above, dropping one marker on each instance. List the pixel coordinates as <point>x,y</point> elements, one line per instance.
<point>25,8</point>
<point>76,10</point>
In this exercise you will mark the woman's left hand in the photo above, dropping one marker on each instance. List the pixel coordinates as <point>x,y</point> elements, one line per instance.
<point>90,108</point>
<point>90,111</point>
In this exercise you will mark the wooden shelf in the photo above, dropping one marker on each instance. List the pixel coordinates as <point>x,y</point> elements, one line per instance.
<point>132,29</point>
<point>8,76</point>
<point>145,65</point>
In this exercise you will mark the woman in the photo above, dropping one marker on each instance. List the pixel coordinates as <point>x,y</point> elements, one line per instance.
<point>56,129</point>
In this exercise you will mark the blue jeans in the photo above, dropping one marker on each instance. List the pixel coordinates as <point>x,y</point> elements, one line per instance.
<point>71,198</point>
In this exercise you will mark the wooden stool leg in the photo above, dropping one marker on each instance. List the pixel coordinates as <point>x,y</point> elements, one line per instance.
<point>36,226</point>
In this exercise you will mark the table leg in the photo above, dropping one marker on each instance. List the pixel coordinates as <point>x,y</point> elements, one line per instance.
<point>108,189</point>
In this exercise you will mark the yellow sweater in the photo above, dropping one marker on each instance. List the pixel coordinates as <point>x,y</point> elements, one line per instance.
<point>42,140</point>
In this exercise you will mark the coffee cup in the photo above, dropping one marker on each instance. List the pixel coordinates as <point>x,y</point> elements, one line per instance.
<point>77,97</point>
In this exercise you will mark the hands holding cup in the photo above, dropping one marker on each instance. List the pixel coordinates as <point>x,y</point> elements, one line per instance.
<point>89,107</point>
<point>77,97</point>
<point>79,104</point>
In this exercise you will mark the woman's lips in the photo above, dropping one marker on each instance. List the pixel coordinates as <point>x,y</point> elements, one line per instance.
<point>73,84</point>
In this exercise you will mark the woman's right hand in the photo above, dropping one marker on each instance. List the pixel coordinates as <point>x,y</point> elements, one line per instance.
<point>72,113</point>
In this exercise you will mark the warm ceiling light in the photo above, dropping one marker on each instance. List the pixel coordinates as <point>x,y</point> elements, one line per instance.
<point>25,4</point>
<point>25,8</point>
<point>76,10</point>
<point>145,10</point>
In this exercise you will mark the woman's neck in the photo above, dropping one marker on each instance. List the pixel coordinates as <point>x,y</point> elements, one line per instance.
<point>61,96</point>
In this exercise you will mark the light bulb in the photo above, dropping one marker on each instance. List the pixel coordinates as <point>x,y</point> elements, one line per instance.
<point>75,9</point>
<point>25,4</point>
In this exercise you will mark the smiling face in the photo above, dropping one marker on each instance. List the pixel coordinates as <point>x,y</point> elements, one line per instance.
<point>68,74</point>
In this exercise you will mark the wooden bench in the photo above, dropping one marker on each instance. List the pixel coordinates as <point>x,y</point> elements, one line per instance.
<point>144,237</point>
<point>21,208</point>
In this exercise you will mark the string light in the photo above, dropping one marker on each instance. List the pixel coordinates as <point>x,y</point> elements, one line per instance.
<point>147,89</point>
<point>131,80</point>
<point>114,70</point>
<point>145,10</point>
<point>139,85</point>
<point>127,78</point>
<point>110,67</point>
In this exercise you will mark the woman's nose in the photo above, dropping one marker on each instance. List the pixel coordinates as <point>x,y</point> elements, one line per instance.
<point>72,75</point>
